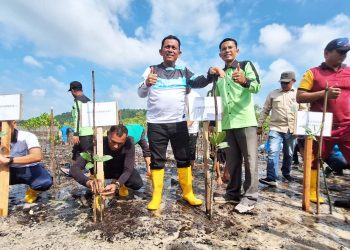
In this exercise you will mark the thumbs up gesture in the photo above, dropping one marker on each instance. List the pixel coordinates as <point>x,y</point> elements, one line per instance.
<point>238,76</point>
<point>151,78</point>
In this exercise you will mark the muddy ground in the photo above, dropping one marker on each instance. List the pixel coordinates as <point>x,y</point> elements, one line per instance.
<point>62,218</point>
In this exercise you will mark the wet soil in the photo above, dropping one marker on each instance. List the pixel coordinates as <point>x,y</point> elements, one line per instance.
<point>62,217</point>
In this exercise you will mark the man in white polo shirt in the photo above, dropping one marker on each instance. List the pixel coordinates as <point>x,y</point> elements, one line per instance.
<point>25,163</point>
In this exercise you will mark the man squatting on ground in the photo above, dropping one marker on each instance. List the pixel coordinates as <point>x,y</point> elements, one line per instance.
<point>25,163</point>
<point>236,88</point>
<point>283,106</point>
<point>165,86</point>
<point>312,90</point>
<point>121,168</point>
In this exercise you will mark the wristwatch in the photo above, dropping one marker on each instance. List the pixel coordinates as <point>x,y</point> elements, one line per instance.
<point>117,185</point>
<point>10,161</point>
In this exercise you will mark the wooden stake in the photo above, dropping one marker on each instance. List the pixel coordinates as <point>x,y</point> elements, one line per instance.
<point>5,170</point>
<point>100,172</point>
<point>308,157</point>
<point>52,149</point>
<point>206,166</point>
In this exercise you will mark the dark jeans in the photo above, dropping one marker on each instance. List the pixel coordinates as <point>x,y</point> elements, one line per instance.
<point>192,146</point>
<point>86,144</point>
<point>159,135</point>
<point>36,176</point>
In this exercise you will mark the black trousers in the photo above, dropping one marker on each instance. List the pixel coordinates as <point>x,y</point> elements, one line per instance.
<point>134,182</point>
<point>86,144</point>
<point>159,135</point>
<point>192,146</point>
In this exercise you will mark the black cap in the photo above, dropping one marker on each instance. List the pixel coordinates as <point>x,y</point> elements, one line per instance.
<point>340,44</point>
<point>75,85</point>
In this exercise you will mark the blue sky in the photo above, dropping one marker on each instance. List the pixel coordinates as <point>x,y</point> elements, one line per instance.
<point>44,45</point>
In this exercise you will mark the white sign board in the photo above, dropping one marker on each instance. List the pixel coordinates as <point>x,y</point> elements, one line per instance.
<point>10,107</point>
<point>203,109</point>
<point>313,120</point>
<point>105,114</point>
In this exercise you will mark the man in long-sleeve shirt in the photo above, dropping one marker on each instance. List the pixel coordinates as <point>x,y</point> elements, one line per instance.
<point>121,168</point>
<point>165,86</point>
<point>283,106</point>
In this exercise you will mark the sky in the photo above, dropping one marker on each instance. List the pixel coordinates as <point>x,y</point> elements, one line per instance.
<point>44,45</point>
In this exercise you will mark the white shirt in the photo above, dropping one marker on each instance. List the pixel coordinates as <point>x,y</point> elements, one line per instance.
<point>25,141</point>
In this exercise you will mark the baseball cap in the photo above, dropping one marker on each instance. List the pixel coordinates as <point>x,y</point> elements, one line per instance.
<point>75,85</point>
<point>340,44</point>
<point>287,76</point>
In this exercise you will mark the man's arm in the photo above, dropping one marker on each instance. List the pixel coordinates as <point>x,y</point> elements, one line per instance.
<point>150,78</point>
<point>33,156</point>
<point>304,96</point>
<point>252,78</point>
<point>264,113</point>
<point>195,81</point>
<point>129,164</point>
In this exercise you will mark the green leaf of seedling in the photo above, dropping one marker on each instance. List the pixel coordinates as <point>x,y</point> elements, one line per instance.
<point>89,165</point>
<point>2,133</point>
<point>102,158</point>
<point>86,156</point>
<point>216,138</point>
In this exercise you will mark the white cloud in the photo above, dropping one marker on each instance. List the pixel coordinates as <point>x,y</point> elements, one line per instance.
<point>127,97</point>
<point>271,77</point>
<point>31,61</point>
<point>274,38</point>
<point>83,29</point>
<point>172,17</point>
<point>38,92</point>
<point>303,46</point>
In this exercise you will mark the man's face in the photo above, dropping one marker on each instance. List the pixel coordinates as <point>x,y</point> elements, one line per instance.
<point>286,86</point>
<point>228,51</point>
<point>170,51</point>
<point>334,57</point>
<point>116,142</point>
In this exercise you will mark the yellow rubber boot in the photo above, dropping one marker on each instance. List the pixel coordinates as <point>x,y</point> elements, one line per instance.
<point>157,183</point>
<point>185,179</point>
<point>123,191</point>
<point>313,186</point>
<point>31,196</point>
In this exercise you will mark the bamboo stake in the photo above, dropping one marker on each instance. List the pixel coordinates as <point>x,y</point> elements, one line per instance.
<point>307,173</point>
<point>319,155</point>
<point>206,167</point>
<point>95,203</point>
<point>5,170</point>
<point>52,149</point>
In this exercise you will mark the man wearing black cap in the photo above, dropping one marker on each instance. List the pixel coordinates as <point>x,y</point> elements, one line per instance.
<point>332,76</point>
<point>82,138</point>
<point>282,104</point>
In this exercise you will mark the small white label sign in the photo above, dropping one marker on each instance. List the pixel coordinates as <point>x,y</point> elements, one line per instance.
<point>312,121</point>
<point>10,107</point>
<point>105,114</point>
<point>203,109</point>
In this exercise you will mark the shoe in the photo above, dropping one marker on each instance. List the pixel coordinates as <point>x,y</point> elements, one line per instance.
<point>313,185</point>
<point>226,199</point>
<point>185,179</point>
<point>246,205</point>
<point>157,177</point>
<point>342,203</point>
<point>123,191</point>
<point>65,171</point>
<point>30,196</point>
<point>288,178</point>
<point>268,181</point>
